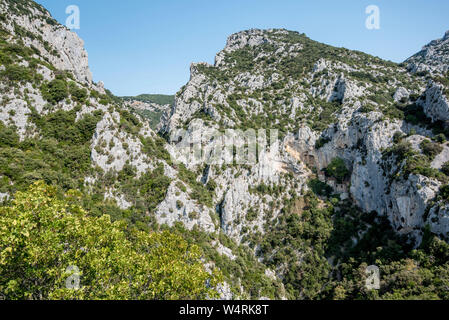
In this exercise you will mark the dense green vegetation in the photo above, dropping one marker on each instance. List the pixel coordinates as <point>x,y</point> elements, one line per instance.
<point>153,117</point>
<point>42,236</point>
<point>303,240</point>
<point>430,149</point>
<point>55,91</point>
<point>60,157</point>
<point>337,169</point>
<point>244,270</point>
<point>320,188</point>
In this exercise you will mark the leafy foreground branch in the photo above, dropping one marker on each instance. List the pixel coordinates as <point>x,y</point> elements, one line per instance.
<point>42,235</point>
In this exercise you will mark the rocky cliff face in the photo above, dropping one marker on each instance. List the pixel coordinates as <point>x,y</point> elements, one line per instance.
<point>55,43</point>
<point>33,39</point>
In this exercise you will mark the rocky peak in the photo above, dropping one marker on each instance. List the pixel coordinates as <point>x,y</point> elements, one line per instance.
<point>446,35</point>
<point>433,58</point>
<point>251,38</point>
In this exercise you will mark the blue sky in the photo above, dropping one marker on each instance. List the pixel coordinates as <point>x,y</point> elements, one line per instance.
<point>146,46</point>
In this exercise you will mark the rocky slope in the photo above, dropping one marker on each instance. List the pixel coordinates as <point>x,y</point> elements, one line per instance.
<point>351,160</point>
<point>149,110</point>
<point>432,58</point>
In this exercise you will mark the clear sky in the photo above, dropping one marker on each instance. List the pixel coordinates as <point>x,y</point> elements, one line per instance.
<point>146,46</point>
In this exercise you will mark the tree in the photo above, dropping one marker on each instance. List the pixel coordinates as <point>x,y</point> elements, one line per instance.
<point>46,240</point>
<point>430,148</point>
<point>55,91</point>
<point>445,168</point>
<point>337,169</point>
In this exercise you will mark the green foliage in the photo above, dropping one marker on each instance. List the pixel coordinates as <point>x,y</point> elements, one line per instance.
<point>199,192</point>
<point>402,150</point>
<point>305,232</point>
<point>8,136</point>
<point>414,163</point>
<point>78,94</point>
<point>321,142</point>
<point>415,115</point>
<point>155,147</point>
<point>320,188</point>
<point>318,231</point>
<point>41,236</point>
<point>60,157</point>
<point>327,116</point>
<point>338,170</point>
<point>398,136</point>
<point>244,271</point>
<point>430,149</point>
<point>144,193</point>
<point>25,7</point>
<point>251,215</point>
<point>55,91</point>
<point>420,164</point>
<point>444,192</point>
<point>17,73</point>
<point>365,76</point>
<point>445,168</point>
<point>153,117</point>
<point>62,126</point>
<point>129,122</point>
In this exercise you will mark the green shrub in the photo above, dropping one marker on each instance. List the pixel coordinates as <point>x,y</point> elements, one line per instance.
<point>17,73</point>
<point>8,136</point>
<point>251,215</point>
<point>419,164</point>
<point>445,168</point>
<point>154,186</point>
<point>338,170</point>
<point>398,136</point>
<point>199,192</point>
<point>129,122</point>
<point>402,150</point>
<point>440,138</point>
<point>320,188</point>
<point>42,235</point>
<point>55,91</point>
<point>78,94</point>
<point>321,142</point>
<point>444,192</point>
<point>431,149</point>
<point>194,215</point>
